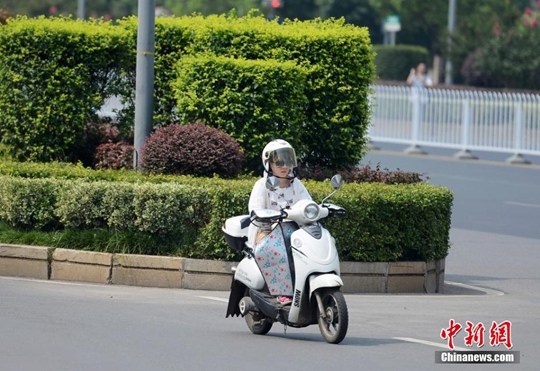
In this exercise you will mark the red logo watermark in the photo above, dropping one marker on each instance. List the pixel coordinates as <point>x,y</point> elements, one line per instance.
<point>499,334</point>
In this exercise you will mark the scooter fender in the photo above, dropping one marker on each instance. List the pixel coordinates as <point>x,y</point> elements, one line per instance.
<point>324,280</point>
<point>249,274</point>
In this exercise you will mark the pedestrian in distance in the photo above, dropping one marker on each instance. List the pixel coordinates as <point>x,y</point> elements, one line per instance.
<point>419,78</point>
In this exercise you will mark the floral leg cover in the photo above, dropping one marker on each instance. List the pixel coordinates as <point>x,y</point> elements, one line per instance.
<point>271,257</point>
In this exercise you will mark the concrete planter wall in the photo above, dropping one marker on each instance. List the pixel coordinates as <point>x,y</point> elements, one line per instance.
<point>393,277</point>
<point>175,272</point>
<point>24,261</point>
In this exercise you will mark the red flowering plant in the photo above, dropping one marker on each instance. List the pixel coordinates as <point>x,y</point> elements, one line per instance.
<point>511,58</point>
<point>531,17</point>
<point>114,156</point>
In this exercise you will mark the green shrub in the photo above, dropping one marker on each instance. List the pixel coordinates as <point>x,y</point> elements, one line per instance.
<point>78,171</point>
<point>253,101</point>
<point>384,222</point>
<point>118,206</point>
<point>54,75</point>
<point>28,203</point>
<point>394,62</point>
<point>194,149</point>
<point>80,205</point>
<point>225,201</point>
<point>61,170</point>
<point>163,209</point>
<point>339,61</point>
<point>390,222</point>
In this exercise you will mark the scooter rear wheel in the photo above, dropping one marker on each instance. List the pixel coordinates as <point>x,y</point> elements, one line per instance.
<point>334,321</point>
<point>258,323</point>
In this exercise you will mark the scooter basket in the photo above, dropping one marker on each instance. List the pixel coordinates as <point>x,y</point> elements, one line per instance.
<point>235,231</point>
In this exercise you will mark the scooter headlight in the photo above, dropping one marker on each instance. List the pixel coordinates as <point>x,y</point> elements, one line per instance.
<point>311,211</point>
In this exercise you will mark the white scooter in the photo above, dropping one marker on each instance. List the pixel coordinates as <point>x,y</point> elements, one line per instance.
<point>317,283</point>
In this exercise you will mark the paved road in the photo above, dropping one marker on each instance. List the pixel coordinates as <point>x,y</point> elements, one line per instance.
<point>65,326</point>
<point>489,196</point>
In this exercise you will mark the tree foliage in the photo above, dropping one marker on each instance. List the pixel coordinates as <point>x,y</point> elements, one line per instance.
<point>423,23</point>
<point>207,7</point>
<point>95,9</point>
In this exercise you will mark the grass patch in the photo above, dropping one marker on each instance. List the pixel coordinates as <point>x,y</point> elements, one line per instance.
<point>98,240</point>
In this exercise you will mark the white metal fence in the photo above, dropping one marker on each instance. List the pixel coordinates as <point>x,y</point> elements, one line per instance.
<point>465,120</point>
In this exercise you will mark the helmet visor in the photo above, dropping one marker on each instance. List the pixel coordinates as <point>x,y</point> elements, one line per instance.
<point>284,157</point>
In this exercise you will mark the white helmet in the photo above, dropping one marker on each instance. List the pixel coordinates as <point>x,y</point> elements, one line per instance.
<point>278,150</point>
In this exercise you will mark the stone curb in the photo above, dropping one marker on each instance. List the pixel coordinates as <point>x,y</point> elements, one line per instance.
<point>183,273</point>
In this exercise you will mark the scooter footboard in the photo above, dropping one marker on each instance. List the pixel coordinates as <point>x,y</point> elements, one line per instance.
<point>324,280</point>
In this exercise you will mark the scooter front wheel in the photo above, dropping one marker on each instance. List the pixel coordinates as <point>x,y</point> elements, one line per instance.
<point>258,323</point>
<point>333,316</point>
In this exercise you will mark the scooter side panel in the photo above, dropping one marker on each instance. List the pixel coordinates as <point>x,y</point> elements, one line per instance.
<point>320,251</point>
<point>300,312</point>
<point>312,257</point>
<point>249,274</point>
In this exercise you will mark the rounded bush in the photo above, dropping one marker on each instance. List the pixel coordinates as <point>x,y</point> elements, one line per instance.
<point>192,149</point>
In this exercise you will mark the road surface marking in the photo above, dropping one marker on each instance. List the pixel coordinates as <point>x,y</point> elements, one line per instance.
<point>522,204</point>
<point>428,343</point>
<point>214,298</point>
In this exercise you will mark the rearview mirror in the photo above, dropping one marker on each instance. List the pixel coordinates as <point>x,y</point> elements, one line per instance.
<point>337,181</point>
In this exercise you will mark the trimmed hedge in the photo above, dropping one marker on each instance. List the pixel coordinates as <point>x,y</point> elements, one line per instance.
<point>393,222</point>
<point>173,37</point>
<point>254,101</point>
<point>395,62</point>
<point>29,203</point>
<point>55,73</point>
<point>384,223</point>
<point>340,66</point>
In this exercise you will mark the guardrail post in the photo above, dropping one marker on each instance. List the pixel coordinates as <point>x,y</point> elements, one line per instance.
<point>517,157</point>
<point>465,153</point>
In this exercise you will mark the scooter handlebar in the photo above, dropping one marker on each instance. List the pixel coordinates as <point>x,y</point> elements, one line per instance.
<point>335,210</point>
<point>297,213</point>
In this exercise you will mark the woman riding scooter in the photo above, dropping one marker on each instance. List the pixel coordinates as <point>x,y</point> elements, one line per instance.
<point>279,160</point>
